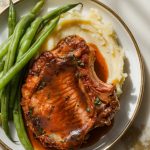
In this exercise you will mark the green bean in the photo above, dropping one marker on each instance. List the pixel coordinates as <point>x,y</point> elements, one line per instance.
<point>1,74</point>
<point>4,111</point>
<point>2,62</point>
<point>28,37</point>
<point>0,99</point>
<point>19,124</point>
<point>24,46</point>
<point>29,54</point>
<point>4,47</point>
<point>11,18</point>
<point>0,119</point>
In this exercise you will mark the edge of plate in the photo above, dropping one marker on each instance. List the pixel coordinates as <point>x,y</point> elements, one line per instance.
<point>141,66</point>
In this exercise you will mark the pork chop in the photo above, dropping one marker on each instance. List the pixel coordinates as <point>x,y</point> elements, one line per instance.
<point>62,97</point>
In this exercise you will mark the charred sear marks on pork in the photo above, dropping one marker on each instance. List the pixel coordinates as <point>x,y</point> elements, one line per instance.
<point>63,99</point>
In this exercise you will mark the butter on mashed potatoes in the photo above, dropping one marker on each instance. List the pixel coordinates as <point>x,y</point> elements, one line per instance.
<point>94,30</point>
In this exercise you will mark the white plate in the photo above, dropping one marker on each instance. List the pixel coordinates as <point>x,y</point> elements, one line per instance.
<point>132,89</point>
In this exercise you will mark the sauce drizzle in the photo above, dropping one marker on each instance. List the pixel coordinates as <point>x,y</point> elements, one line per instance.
<point>100,67</point>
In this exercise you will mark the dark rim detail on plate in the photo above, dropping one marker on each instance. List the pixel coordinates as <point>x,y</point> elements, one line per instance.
<point>141,67</point>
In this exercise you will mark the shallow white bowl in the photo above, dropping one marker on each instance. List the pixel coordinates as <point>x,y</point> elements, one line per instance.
<point>132,89</point>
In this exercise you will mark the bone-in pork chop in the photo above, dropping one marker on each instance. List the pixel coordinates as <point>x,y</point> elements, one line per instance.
<point>63,99</point>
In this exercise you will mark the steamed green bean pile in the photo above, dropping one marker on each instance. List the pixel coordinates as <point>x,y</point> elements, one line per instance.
<point>25,37</point>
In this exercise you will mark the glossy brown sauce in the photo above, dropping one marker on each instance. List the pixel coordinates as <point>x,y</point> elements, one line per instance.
<point>101,70</point>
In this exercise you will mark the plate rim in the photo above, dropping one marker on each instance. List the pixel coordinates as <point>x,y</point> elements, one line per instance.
<point>140,97</point>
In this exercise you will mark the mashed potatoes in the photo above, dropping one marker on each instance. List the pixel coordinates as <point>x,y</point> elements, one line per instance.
<point>92,28</point>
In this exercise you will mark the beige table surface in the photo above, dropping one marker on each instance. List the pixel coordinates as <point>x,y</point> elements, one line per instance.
<point>138,135</point>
